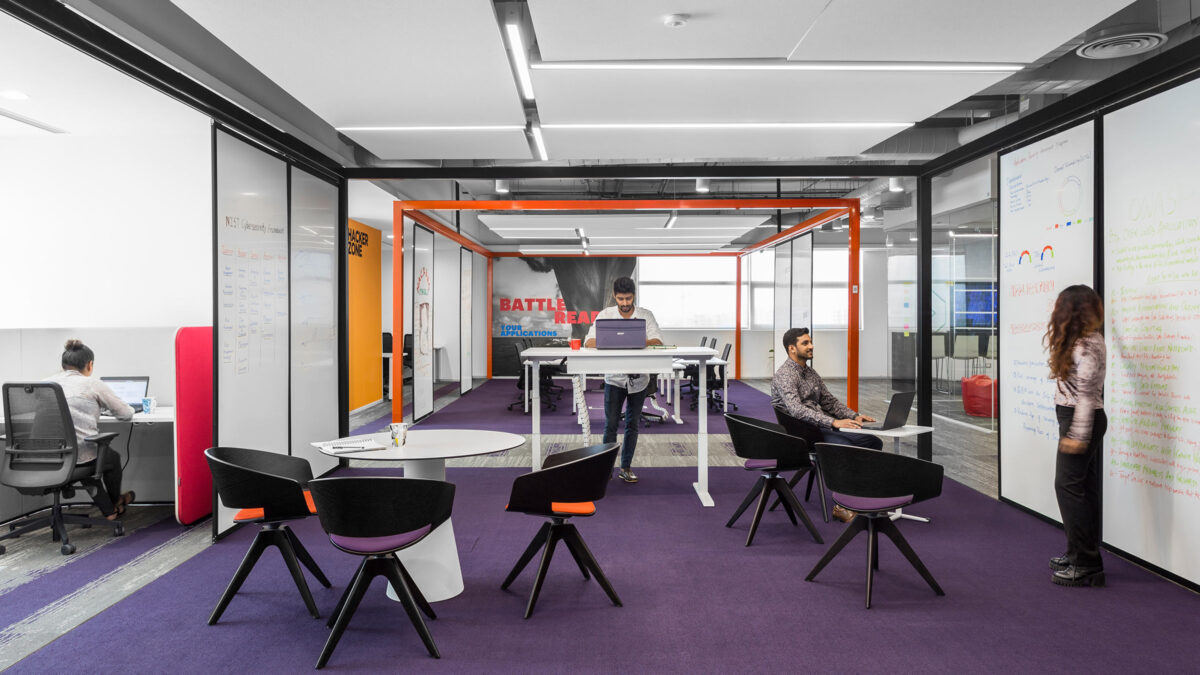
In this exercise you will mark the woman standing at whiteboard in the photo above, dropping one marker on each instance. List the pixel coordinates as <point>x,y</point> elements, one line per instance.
<point>1077,362</point>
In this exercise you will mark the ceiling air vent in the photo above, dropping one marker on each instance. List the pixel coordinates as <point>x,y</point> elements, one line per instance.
<point>1121,41</point>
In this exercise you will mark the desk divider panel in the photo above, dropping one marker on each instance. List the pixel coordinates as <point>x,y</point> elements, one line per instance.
<point>193,423</point>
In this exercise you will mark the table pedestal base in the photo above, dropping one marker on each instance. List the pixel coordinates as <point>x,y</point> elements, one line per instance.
<point>433,562</point>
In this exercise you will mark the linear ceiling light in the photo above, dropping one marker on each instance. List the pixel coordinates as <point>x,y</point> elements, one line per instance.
<point>540,143</point>
<point>734,125</point>
<point>784,65</point>
<point>671,221</point>
<point>418,127</point>
<point>516,46</point>
<point>702,185</point>
<point>564,249</point>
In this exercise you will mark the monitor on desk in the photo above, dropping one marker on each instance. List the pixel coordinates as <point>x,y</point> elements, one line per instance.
<point>131,389</point>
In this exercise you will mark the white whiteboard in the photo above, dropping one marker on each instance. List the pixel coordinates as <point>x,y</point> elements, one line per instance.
<point>423,352</point>
<point>1152,300</point>
<point>783,300</point>
<point>802,271</point>
<point>313,312</point>
<point>252,311</point>
<point>1047,202</point>
<point>464,321</point>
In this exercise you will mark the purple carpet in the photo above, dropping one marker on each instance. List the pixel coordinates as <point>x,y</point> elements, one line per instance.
<point>486,408</point>
<point>380,423</point>
<point>696,599</point>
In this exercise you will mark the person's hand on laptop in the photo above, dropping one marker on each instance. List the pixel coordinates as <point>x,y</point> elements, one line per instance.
<point>847,424</point>
<point>863,418</point>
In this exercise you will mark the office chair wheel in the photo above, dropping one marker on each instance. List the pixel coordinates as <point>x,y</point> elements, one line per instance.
<point>68,549</point>
<point>119,530</point>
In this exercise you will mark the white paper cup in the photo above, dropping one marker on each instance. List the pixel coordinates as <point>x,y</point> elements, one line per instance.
<point>399,431</point>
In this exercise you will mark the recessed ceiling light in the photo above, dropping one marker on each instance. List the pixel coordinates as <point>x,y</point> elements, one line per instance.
<point>894,184</point>
<point>14,95</point>
<point>735,125</point>
<point>465,127</point>
<point>702,185</point>
<point>912,238</point>
<point>783,65</point>
<point>391,236</point>
<point>248,194</point>
<point>676,20</point>
<point>502,186</point>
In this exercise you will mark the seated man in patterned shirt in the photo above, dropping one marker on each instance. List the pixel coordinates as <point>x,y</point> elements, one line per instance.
<point>799,391</point>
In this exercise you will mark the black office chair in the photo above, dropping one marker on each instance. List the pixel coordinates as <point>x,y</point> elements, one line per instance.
<point>660,415</point>
<point>769,449</point>
<point>374,517</point>
<point>406,361</point>
<point>871,483</point>
<point>387,349</point>
<point>40,457</point>
<point>547,371</point>
<point>811,435</point>
<point>714,385</point>
<point>547,396</point>
<point>269,489</point>
<point>568,484</point>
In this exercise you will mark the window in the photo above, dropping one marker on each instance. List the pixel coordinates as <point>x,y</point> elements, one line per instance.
<point>829,293</point>
<point>689,292</point>
<point>758,290</point>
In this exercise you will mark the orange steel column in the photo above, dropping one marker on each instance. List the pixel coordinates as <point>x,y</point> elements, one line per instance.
<point>489,319</point>
<point>852,324</point>
<point>397,383</point>
<point>737,333</point>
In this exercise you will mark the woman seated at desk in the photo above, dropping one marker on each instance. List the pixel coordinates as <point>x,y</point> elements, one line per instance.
<point>87,397</point>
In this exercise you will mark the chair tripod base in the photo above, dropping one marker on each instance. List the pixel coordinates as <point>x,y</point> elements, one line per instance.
<point>899,513</point>
<point>873,524</point>
<point>546,539</point>
<point>769,484</point>
<point>812,478</point>
<point>388,566</point>
<point>294,554</point>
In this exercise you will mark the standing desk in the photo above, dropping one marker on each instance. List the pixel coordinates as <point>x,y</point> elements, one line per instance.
<point>650,360</point>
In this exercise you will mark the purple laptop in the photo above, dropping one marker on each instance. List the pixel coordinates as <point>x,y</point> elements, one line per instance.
<point>620,333</point>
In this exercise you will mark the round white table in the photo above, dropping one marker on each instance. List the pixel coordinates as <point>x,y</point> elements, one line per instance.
<point>433,562</point>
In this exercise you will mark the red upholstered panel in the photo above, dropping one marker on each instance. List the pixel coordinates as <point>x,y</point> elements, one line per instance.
<point>193,423</point>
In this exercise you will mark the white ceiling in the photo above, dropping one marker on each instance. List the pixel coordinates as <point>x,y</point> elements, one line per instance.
<point>584,30</point>
<point>76,93</point>
<point>382,63</point>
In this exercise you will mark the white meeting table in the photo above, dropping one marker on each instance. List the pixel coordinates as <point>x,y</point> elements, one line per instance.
<point>896,434</point>
<point>651,360</point>
<point>432,562</point>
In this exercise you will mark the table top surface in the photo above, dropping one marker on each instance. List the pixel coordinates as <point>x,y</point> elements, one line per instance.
<point>428,444</point>
<point>899,432</point>
<point>160,414</point>
<point>649,352</point>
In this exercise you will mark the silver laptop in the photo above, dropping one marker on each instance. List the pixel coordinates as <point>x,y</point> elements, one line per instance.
<point>897,414</point>
<point>131,389</point>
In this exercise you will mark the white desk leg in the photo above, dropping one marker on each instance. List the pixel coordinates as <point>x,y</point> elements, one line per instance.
<point>701,484</point>
<point>537,416</point>
<point>677,376</point>
<point>725,393</point>
<point>899,513</point>
<point>526,366</point>
<point>433,563</point>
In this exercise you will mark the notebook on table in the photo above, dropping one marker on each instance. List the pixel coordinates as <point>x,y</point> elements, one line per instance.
<point>130,389</point>
<point>897,414</point>
<point>620,333</point>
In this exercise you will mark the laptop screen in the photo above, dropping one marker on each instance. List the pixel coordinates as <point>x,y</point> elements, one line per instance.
<point>130,389</point>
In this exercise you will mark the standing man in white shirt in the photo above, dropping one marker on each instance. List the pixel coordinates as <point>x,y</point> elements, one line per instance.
<point>621,390</point>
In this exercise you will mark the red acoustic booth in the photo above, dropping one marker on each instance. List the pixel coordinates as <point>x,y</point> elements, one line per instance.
<point>979,396</point>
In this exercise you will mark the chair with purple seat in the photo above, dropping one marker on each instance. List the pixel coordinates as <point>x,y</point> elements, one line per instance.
<point>872,483</point>
<point>373,517</point>
<point>568,484</point>
<point>811,435</point>
<point>769,449</point>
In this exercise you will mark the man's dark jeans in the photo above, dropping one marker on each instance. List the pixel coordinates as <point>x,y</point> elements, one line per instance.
<point>616,398</point>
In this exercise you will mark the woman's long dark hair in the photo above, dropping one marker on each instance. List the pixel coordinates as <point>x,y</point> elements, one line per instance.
<point>1077,312</point>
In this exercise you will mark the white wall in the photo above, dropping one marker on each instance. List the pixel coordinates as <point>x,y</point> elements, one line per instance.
<point>479,307</point>
<point>829,346</point>
<point>446,261</point>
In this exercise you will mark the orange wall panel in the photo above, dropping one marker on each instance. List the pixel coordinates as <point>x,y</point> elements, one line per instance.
<point>366,314</point>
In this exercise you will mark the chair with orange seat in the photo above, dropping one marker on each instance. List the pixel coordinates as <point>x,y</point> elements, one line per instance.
<point>269,489</point>
<point>568,485</point>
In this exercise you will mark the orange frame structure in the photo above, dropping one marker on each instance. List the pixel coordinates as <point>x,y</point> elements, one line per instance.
<point>832,210</point>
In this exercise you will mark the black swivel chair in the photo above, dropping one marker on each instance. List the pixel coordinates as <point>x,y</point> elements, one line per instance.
<point>546,393</point>
<point>374,517</point>
<point>769,449</point>
<point>811,435</point>
<point>714,385</point>
<point>871,483</point>
<point>406,360</point>
<point>387,349</point>
<point>41,451</point>
<point>568,484</point>
<point>269,489</point>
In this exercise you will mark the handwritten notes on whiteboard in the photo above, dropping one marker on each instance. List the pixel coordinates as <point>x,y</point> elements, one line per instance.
<point>1152,294</point>
<point>1046,244</point>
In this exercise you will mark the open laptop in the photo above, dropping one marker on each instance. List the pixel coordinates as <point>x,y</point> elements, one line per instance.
<point>130,389</point>
<point>897,414</point>
<point>620,333</point>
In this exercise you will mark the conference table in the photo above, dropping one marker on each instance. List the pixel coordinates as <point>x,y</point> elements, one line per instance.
<point>906,431</point>
<point>651,360</point>
<point>432,562</point>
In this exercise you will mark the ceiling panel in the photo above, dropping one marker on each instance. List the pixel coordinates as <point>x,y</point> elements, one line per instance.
<point>456,144</point>
<point>578,30</point>
<point>566,96</point>
<point>948,30</point>
<point>623,230</point>
<point>375,62</point>
<point>686,145</point>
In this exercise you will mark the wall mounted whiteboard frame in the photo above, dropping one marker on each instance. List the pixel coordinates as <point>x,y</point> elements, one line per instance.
<point>1027,437</point>
<point>422,327</point>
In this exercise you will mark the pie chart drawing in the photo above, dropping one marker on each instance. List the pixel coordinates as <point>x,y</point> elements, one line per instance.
<point>1070,194</point>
